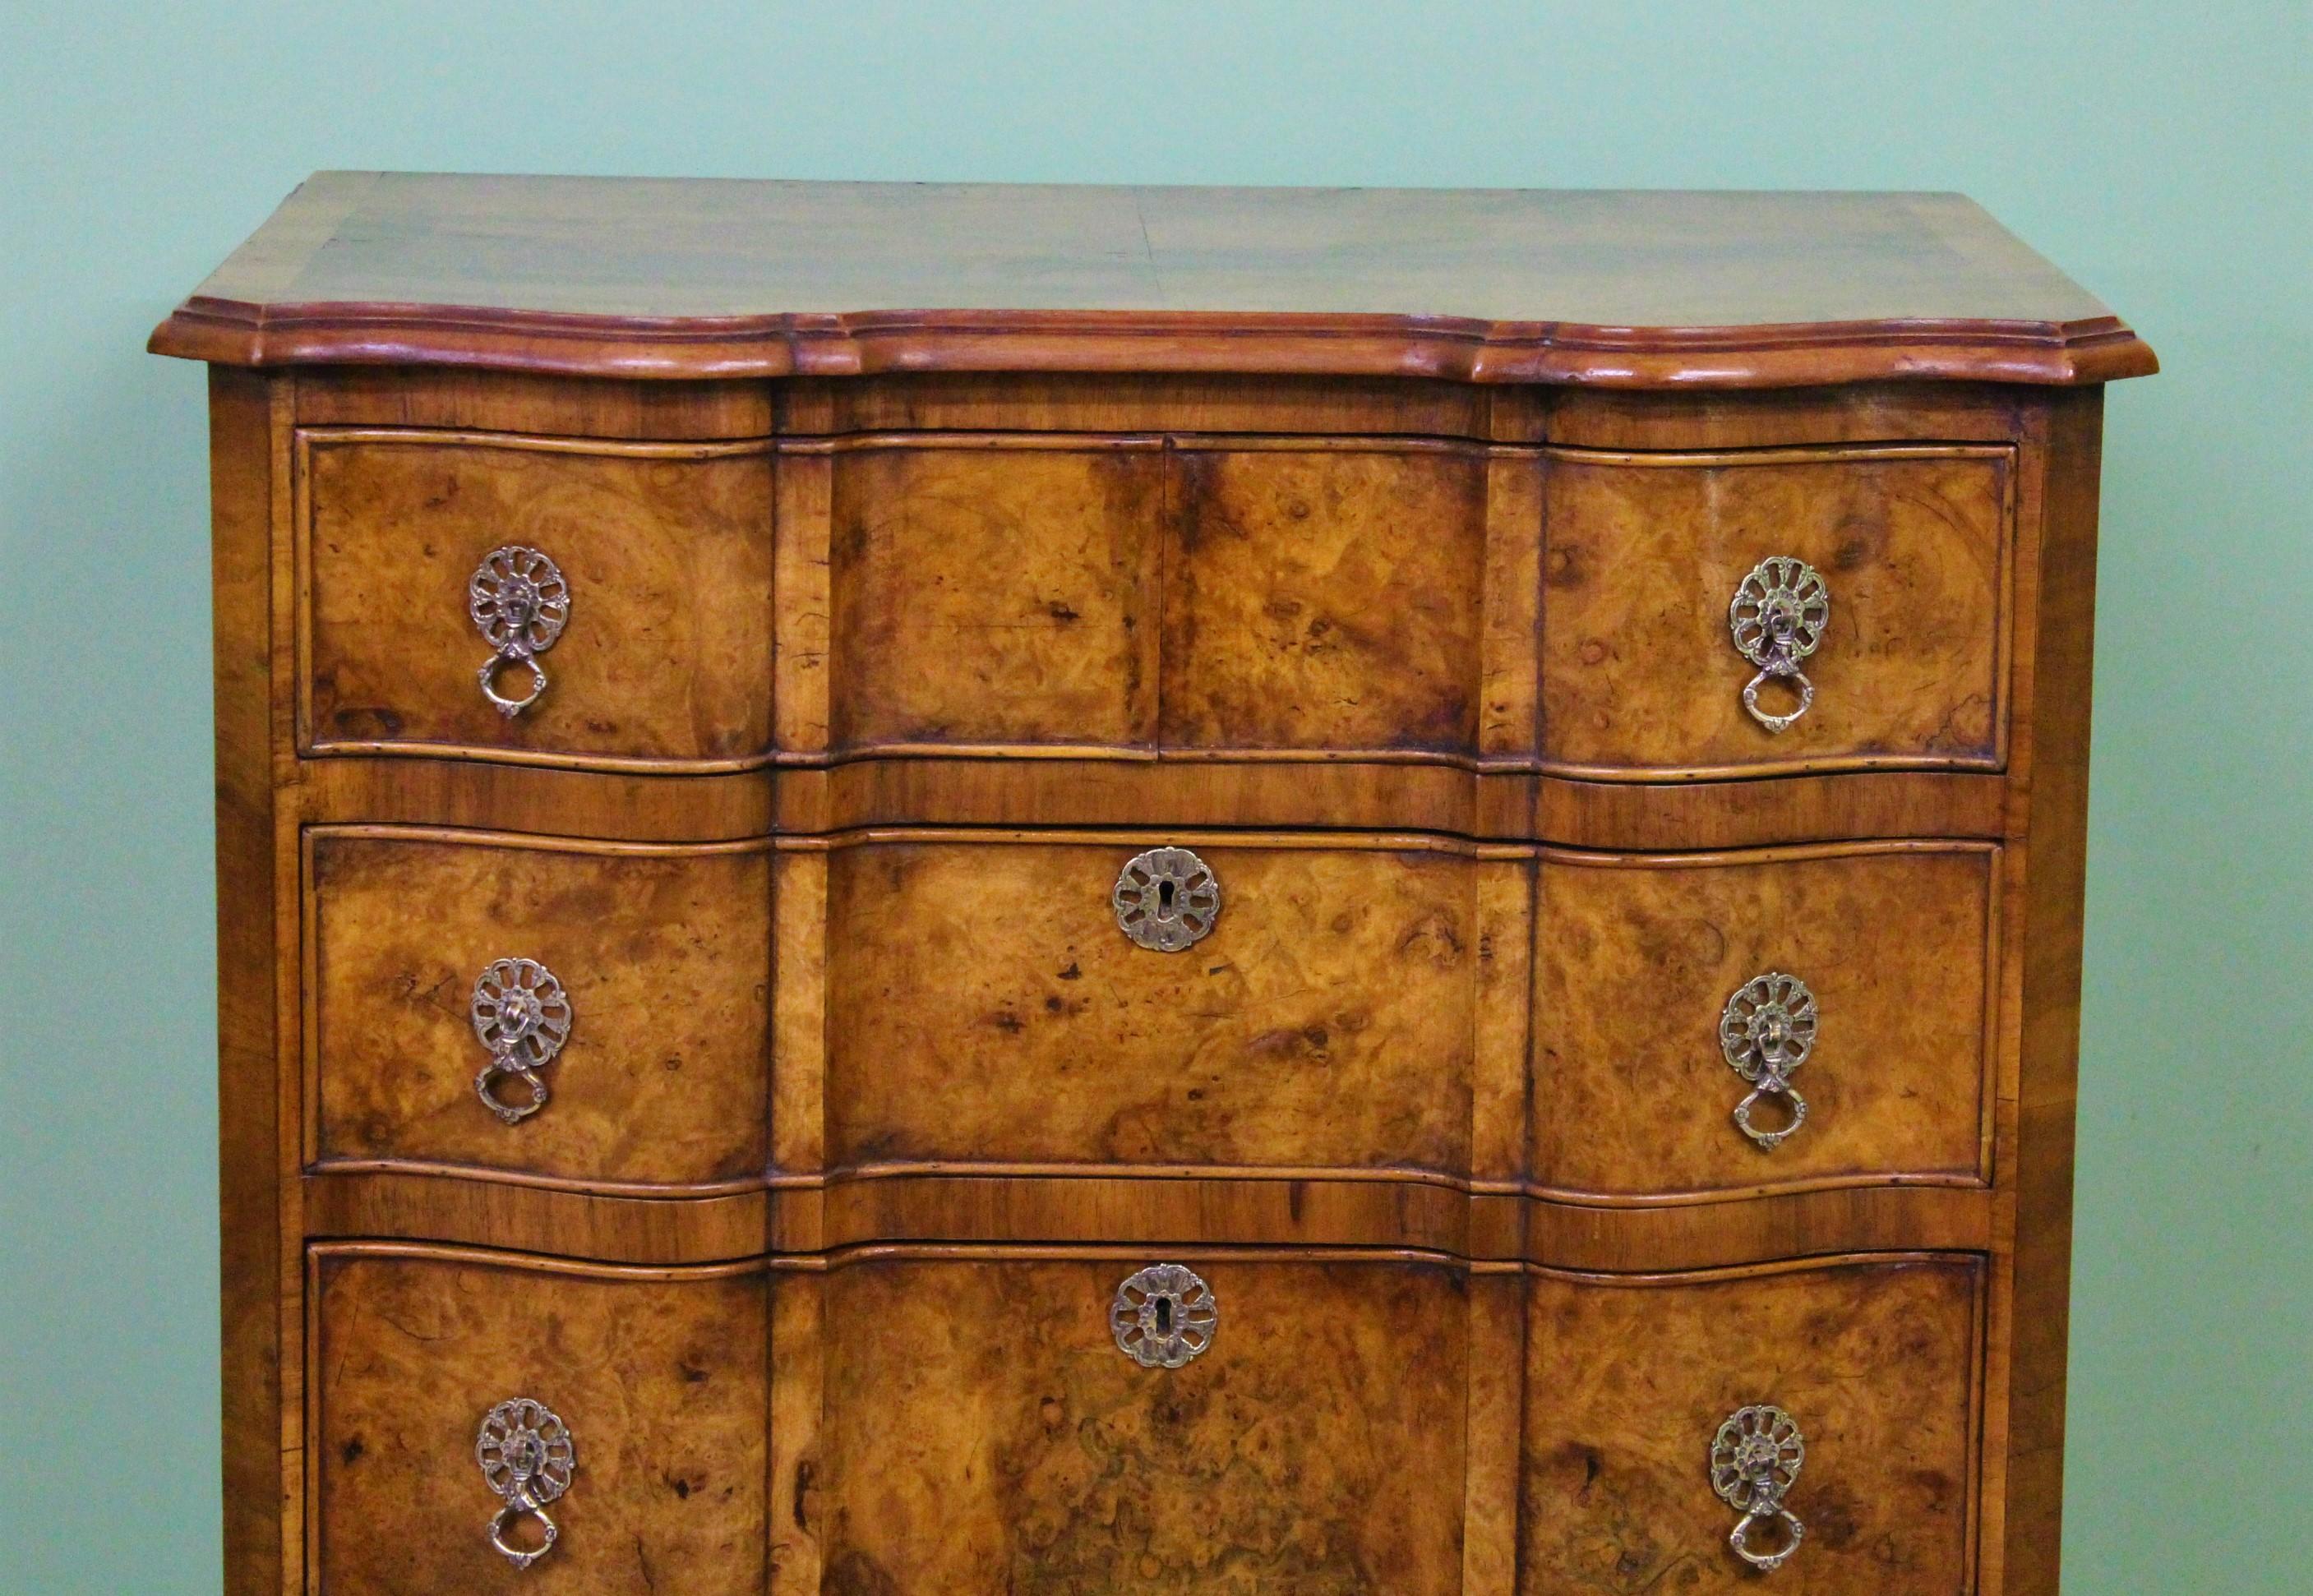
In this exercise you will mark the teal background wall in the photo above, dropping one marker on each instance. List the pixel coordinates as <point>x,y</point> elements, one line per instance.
<point>2159,153</point>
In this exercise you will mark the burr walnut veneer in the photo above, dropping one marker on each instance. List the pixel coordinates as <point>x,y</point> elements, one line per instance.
<point>1040,891</point>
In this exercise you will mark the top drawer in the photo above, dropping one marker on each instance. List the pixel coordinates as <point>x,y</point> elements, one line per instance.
<point>660,580</point>
<point>614,604</point>
<point>1739,613</point>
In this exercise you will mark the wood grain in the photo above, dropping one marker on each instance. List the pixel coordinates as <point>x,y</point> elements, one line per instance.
<point>1010,594</point>
<point>1897,943</point>
<point>990,790</point>
<point>1153,1206</point>
<point>988,594</point>
<point>2032,1304</point>
<point>665,954</point>
<point>983,1005</point>
<point>666,548</point>
<point>1629,1379</point>
<point>661,1376</point>
<point>984,1434</point>
<point>1643,553</point>
<point>672,278</point>
<point>1324,599</point>
<point>258,1268</point>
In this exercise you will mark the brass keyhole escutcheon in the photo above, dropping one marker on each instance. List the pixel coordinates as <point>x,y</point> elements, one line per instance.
<point>1166,899</point>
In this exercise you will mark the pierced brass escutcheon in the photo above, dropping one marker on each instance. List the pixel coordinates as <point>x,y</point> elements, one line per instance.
<point>1163,1316</point>
<point>1166,899</point>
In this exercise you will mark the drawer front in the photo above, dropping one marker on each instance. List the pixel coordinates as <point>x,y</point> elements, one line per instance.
<point>1655,975</point>
<point>1630,1382</point>
<point>655,1024</point>
<point>1643,558</point>
<point>993,592</point>
<point>1325,599</point>
<point>985,1433</point>
<point>662,552</point>
<point>1139,593</point>
<point>657,1377</point>
<point>985,1005</point>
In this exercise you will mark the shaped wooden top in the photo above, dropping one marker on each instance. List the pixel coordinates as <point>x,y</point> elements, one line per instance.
<point>670,278</point>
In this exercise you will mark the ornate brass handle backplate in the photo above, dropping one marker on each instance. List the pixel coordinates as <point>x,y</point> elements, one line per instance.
<point>523,1016</point>
<point>1776,619</point>
<point>1754,1461</point>
<point>520,603</point>
<point>1767,1031</point>
<point>527,1455</point>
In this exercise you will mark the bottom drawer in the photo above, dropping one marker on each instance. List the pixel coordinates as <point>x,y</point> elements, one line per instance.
<point>987,1434</point>
<point>657,1378</point>
<point>1862,1374</point>
<point>1066,1422</point>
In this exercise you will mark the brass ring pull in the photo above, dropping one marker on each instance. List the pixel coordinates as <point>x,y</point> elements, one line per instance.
<point>520,603</point>
<point>1767,1031</point>
<point>523,1016</point>
<point>527,1456</point>
<point>1754,1461</point>
<point>1776,619</point>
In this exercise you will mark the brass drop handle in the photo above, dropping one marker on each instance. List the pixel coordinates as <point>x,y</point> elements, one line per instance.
<point>523,1016</point>
<point>1754,1461</point>
<point>1767,1031</point>
<point>520,603</point>
<point>1776,619</point>
<point>527,1456</point>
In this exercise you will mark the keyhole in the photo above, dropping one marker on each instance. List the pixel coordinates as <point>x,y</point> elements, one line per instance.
<point>1164,1304</point>
<point>1164,898</point>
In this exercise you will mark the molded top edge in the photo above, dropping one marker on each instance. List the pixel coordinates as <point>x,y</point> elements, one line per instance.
<point>676,278</point>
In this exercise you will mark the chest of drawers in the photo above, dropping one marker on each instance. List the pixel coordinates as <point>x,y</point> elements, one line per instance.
<point>1030,890</point>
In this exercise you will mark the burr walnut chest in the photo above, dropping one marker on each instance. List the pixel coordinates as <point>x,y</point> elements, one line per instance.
<point>1033,891</point>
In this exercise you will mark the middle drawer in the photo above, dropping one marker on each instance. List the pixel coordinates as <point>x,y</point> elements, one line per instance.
<point>693,1016</point>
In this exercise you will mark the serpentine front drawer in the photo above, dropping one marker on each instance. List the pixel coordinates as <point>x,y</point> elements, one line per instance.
<point>992,1419</point>
<point>483,1422</point>
<point>535,598</point>
<point>1605,1026</point>
<point>1717,1022</point>
<point>1863,591</point>
<point>589,1013</point>
<point>612,604</point>
<point>1829,1411</point>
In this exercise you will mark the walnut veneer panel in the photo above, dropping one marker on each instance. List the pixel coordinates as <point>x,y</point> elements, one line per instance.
<point>981,1004</point>
<point>980,1431</point>
<point>662,1376</point>
<point>1641,954</point>
<point>1132,595</point>
<point>989,594</point>
<point>1328,598</point>
<point>1629,1379</point>
<point>1642,554</point>
<point>667,551</point>
<point>665,955</point>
